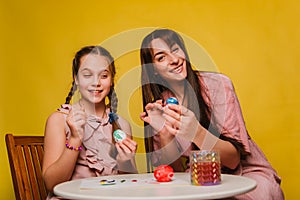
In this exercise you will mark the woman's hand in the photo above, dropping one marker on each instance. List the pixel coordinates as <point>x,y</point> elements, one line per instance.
<point>153,115</point>
<point>181,121</point>
<point>126,149</point>
<point>76,120</point>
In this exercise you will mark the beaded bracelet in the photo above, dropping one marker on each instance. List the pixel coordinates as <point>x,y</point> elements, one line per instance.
<point>73,148</point>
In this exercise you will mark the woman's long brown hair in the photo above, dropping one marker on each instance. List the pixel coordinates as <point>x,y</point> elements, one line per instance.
<point>153,85</point>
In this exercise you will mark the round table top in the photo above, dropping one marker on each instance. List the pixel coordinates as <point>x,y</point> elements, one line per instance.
<point>145,187</point>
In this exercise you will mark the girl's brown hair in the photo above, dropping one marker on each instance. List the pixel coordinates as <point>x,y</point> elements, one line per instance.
<point>97,50</point>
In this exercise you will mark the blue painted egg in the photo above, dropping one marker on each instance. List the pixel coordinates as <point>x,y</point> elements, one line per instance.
<point>172,100</point>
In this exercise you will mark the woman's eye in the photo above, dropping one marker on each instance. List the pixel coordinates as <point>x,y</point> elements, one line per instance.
<point>160,58</point>
<point>175,50</point>
<point>87,75</point>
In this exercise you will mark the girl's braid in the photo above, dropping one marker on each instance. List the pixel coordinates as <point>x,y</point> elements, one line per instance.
<point>71,93</point>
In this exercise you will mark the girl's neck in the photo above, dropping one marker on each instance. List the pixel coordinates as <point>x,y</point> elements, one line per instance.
<point>97,109</point>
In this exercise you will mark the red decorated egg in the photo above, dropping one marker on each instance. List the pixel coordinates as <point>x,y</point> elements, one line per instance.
<point>164,173</point>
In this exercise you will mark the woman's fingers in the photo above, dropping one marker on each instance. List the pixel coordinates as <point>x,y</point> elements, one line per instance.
<point>174,120</point>
<point>153,115</point>
<point>171,129</point>
<point>155,105</point>
<point>156,115</point>
<point>144,117</point>
<point>180,120</point>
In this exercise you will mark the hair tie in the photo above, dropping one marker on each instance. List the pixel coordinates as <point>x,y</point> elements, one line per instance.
<point>113,117</point>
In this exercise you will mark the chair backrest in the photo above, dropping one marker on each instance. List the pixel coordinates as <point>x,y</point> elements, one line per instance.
<point>25,155</point>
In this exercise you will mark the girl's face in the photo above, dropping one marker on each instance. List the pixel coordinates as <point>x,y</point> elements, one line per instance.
<point>94,78</point>
<point>169,62</point>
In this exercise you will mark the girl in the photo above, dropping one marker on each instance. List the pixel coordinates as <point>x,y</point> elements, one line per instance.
<point>208,116</point>
<point>78,138</point>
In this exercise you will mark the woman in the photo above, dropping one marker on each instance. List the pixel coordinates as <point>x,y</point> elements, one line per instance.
<point>208,115</point>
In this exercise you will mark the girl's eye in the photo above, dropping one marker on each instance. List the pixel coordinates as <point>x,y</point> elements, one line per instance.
<point>87,75</point>
<point>103,76</point>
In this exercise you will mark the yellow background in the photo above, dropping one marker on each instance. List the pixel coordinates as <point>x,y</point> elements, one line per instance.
<point>256,43</point>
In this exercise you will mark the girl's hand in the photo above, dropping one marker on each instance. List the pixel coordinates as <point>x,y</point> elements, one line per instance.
<point>153,115</point>
<point>76,120</point>
<point>181,121</point>
<point>126,149</point>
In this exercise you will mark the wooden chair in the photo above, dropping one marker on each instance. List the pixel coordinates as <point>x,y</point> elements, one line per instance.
<point>25,155</point>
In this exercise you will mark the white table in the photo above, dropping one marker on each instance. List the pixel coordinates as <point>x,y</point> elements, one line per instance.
<point>144,187</point>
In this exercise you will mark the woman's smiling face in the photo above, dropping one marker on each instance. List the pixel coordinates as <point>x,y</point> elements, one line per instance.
<point>169,61</point>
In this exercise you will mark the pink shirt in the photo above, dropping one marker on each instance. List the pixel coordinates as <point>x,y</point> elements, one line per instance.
<point>98,157</point>
<point>227,117</point>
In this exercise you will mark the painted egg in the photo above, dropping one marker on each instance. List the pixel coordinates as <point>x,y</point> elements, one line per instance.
<point>163,173</point>
<point>172,100</point>
<point>119,135</point>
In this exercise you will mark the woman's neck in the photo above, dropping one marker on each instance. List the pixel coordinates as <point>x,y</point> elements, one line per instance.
<point>179,91</point>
